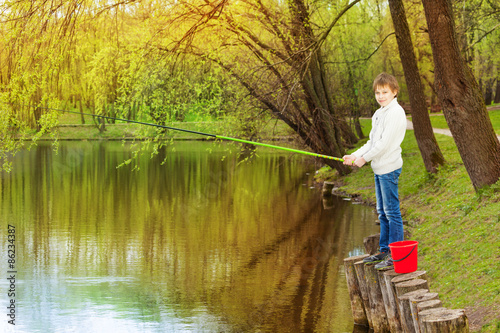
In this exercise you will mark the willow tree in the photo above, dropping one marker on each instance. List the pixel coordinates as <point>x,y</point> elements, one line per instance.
<point>461,99</point>
<point>274,50</point>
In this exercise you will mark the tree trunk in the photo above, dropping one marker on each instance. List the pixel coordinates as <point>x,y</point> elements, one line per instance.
<point>427,143</point>
<point>488,92</point>
<point>461,98</point>
<point>497,92</point>
<point>329,130</point>
<point>352,95</point>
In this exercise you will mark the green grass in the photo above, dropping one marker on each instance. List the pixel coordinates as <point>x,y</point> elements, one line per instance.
<point>457,229</point>
<point>438,120</point>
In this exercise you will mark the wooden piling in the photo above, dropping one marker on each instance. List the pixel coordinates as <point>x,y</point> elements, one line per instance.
<point>406,315</point>
<point>371,243</point>
<point>377,307</point>
<point>327,189</point>
<point>359,267</point>
<point>446,321</point>
<point>390,302</point>
<point>422,302</point>
<point>431,304</point>
<point>385,277</point>
<point>424,313</point>
<point>357,304</point>
<point>402,288</point>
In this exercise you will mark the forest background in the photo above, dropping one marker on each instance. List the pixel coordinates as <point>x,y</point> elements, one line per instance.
<point>307,65</point>
<point>253,69</point>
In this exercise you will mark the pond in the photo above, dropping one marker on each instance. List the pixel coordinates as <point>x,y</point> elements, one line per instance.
<point>198,239</point>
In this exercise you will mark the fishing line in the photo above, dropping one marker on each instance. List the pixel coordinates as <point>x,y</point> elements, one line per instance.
<point>221,137</point>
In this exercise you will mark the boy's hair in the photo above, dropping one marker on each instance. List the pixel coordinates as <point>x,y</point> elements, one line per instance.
<point>384,79</point>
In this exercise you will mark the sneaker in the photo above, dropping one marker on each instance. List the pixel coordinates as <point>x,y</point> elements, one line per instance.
<point>387,263</point>
<point>376,258</point>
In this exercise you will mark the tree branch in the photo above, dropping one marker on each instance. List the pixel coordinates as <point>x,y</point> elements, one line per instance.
<point>363,59</point>
<point>481,38</point>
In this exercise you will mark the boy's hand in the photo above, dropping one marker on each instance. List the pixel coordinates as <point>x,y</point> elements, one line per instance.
<point>349,159</point>
<point>359,162</point>
<point>353,161</point>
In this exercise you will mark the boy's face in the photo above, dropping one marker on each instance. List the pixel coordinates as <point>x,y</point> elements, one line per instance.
<point>384,95</point>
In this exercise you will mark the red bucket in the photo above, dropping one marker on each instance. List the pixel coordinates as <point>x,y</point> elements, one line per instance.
<point>404,255</point>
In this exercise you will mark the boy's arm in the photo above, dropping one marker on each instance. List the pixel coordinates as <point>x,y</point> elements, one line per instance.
<point>395,127</point>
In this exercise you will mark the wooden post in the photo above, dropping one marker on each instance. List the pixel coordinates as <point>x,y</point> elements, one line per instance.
<point>424,313</point>
<point>371,243</point>
<point>407,319</point>
<point>328,202</point>
<point>407,277</point>
<point>401,289</point>
<point>402,278</point>
<point>327,189</point>
<point>377,307</point>
<point>385,277</point>
<point>431,304</point>
<point>359,267</point>
<point>422,302</point>
<point>357,306</point>
<point>447,321</point>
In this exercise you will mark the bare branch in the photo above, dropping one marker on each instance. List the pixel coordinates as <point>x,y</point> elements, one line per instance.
<point>363,59</point>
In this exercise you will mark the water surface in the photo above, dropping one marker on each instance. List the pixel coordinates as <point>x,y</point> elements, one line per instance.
<point>196,240</point>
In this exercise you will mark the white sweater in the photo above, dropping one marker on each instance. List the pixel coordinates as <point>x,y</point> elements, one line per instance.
<point>383,148</point>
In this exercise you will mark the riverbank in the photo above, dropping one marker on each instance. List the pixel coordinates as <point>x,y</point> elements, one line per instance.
<point>70,128</point>
<point>458,230</point>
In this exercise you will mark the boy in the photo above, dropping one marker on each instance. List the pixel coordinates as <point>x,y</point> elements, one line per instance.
<point>383,149</point>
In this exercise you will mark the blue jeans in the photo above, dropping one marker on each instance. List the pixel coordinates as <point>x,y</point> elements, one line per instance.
<point>389,214</point>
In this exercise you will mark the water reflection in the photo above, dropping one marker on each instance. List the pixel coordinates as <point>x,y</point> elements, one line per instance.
<point>198,243</point>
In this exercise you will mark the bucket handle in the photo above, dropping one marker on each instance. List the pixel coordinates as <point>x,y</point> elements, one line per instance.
<point>406,255</point>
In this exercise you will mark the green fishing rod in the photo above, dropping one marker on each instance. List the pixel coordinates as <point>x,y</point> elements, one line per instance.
<point>221,137</point>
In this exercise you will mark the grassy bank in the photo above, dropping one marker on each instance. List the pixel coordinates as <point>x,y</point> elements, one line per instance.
<point>457,229</point>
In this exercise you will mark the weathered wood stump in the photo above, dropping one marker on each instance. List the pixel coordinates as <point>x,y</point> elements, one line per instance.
<point>359,267</point>
<point>407,277</point>
<point>446,321</point>
<point>377,307</point>
<point>390,302</point>
<point>424,313</point>
<point>327,189</point>
<point>357,304</point>
<point>402,278</point>
<point>420,303</point>
<point>403,288</point>
<point>371,243</point>
<point>407,319</point>
<point>328,202</point>
<point>391,309</point>
<point>430,304</point>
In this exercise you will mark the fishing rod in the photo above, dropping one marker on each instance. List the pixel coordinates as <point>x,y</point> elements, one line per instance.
<point>221,137</point>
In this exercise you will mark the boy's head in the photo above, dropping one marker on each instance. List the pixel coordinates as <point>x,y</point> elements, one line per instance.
<point>386,88</point>
<point>386,80</point>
